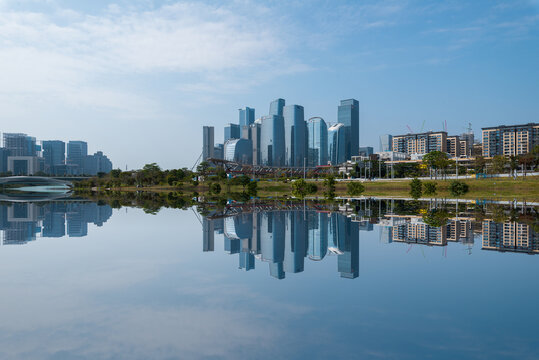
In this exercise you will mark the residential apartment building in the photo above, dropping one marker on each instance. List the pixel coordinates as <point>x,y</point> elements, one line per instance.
<point>509,236</point>
<point>421,143</point>
<point>510,140</point>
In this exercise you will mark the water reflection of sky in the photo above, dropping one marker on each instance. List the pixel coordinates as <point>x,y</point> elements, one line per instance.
<point>141,287</point>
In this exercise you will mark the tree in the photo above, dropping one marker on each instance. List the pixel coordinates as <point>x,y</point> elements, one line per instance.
<point>252,188</point>
<point>215,188</point>
<point>436,218</point>
<point>498,163</point>
<point>526,160</point>
<point>329,184</point>
<point>430,188</point>
<point>458,188</point>
<point>301,188</point>
<point>355,188</point>
<point>513,164</point>
<point>203,167</point>
<point>416,188</point>
<point>479,164</point>
<point>116,173</point>
<point>436,160</point>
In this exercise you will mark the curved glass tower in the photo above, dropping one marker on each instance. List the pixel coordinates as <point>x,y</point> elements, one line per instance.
<point>239,150</point>
<point>317,136</point>
<point>295,135</point>
<point>337,144</point>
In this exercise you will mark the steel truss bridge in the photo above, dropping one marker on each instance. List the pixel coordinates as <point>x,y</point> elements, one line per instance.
<point>232,167</point>
<point>235,209</point>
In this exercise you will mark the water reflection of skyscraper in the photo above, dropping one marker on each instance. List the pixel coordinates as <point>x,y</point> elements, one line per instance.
<point>284,239</point>
<point>22,222</point>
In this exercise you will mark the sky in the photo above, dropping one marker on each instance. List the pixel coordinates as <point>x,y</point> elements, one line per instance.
<point>138,79</point>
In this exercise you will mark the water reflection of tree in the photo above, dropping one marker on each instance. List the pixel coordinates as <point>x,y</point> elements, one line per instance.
<point>436,217</point>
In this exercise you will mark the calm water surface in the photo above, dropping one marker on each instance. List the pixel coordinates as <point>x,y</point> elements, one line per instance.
<point>84,281</point>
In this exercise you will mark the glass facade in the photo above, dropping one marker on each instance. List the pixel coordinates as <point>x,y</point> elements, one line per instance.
<point>20,144</point>
<point>336,144</point>
<point>76,153</point>
<point>246,116</point>
<point>232,131</point>
<point>54,155</point>
<point>386,142</point>
<point>295,135</point>
<point>207,142</point>
<point>276,107</point>
<point>272,146</point>
<point>239,150</point>
<point>348,114</point>
<point>317,134</point>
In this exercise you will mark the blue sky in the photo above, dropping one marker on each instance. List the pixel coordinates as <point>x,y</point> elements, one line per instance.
<point>139,79</point>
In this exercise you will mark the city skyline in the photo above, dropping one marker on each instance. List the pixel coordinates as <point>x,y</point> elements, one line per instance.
<point>407,63</point>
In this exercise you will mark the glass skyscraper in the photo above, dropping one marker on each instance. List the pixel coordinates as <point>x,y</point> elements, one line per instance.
<point>76,154</point>
<point>255,133</point>
<point>20,144</point>
<point>232,131</point>
<point>272,147</point>
<point>337,144</point>
<point>207,142</point>
<point>386,142</point>
<point>54,155</point>
<point>276,107</point>
<point>348,114</point>
<point>317,134</point>
<point>247,116</point>
<point>295,135</point>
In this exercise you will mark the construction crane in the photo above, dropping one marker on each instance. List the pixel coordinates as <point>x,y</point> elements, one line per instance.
<point>423,126</point>
<point>409,129</point>
<point>197,162</point>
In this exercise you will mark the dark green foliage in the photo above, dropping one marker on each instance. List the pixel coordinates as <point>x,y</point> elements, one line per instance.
<point>252,188</point>
<point>416,188</point>
<point>355,188</point>
<point>430,188</point>
<point>215,188</point>
<point>329,184</point>
<point>436,218</point>
<point>301,188</point>
<point>458,188</point>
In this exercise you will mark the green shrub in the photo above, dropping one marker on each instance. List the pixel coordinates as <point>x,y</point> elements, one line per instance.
<point>458,188</point>
<point>430,188</point>
<point>355,188</point>
<point>416,188</point>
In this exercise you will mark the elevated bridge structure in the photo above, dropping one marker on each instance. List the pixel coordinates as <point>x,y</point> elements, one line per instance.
<point>232,167</point>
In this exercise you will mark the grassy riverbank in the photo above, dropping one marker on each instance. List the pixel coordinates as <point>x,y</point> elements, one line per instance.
<point>523,188</point>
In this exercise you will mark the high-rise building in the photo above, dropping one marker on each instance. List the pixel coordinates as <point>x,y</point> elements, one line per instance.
<point>97,163</point>
<point>246,116</point>
<point>232,131</point>
<point>255,134</point>
<point>272,141</point>
<point>317,148</point>
<point>77,151</point>
<point>20,144</point>
<point>207,142</point>
<point>219,151</point>
<point>386,142</point>
<point>337,144</point>
<point>276,107</point>
<point>54,155</point>
<point>453,146</point>
<point>510,140</point>
<point>295,135</point>
<point>422,143</point>
<point>3,160</point>
<point>239,150</point>
<point>348,114</point>
<point>366,151</point>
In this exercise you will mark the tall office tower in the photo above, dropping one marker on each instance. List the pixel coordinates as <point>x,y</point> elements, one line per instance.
<point>295,248</point>
<point>76,154</point>
<point>54,155</point>
<point>272,141</point>
<point>317,142</point>
<point>255,130</point>
<point>345,237</point>
<point>318,236</point>
<point>207,143</point>
<point>239,150</point>
<point>272,241</point>
<point>348,114</point>
<point>276,107</point>
<point>208,236</point>
<point>386,142</point>
<point>232,131</point>
<point>295,135</point>
<point>219,151</point>
<point>20,144</point>
<point>247,261</point>
<point>510,140</point>
<point>247,116</point>
<point>337,144</point>
<point>3,160</point>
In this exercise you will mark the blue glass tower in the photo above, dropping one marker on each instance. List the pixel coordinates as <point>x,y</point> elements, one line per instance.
<point>295,133</point>
<point>54,155</point>
<point>272,143</point>
<point>276,107</point>
<point>348,114</point>
<point>317,144</point>
<point>76,154</point>
<point>232,131</point>
<point>239,150</point>
<point>246,116</point>
<point>337,144</point>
